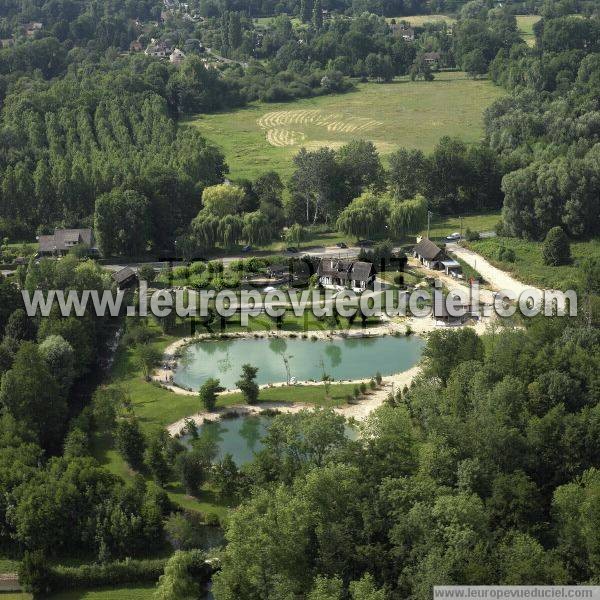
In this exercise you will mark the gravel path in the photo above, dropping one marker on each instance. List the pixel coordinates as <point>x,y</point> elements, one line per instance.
<point>497,278</point>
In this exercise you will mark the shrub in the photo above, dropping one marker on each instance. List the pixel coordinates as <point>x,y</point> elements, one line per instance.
<point>506,254</point>
<point>356,391</point>
<point>471,235</point>
<point>181,272</point>
<point>363,388</point>
<point>372,384</point>
<point>378,378</point>
<point>556,249</point>
<point>197,268</point>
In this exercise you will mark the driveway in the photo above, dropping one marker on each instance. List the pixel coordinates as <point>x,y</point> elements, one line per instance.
<point>498,279</point>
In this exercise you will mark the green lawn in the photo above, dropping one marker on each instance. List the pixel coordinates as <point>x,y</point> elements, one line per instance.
<point>442,226</point>
<point>139,592</point>
<point>529,267</point>
<point>420,20</point>
<point>263,136</point>
<point>525,24</point>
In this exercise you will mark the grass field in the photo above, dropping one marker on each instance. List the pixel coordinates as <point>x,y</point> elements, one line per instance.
<point>529,267</point>
<point>525,24</point>
<point>420,20</point>
<point>261,136</point>
<point>443,226</point>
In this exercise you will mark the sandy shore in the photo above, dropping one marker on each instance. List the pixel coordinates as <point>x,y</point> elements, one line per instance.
<point>359,411</point>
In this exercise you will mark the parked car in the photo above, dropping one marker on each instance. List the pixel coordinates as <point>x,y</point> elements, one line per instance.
<point>453,237</point>
<point>247,249</point>
<point>342,245</point>
<point>365,243</point>
<point>291,249</point>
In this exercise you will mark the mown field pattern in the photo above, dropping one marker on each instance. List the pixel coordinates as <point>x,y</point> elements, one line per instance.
<point>263,136</point>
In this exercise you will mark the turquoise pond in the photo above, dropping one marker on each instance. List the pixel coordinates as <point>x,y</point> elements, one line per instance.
<point>242,436</point>
<point>341,359</point>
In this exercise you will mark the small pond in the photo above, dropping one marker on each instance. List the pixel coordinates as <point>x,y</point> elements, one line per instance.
<point>242,436</point>
<point>350,358</point>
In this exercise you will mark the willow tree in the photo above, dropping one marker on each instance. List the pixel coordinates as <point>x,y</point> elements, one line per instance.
<point>365,216</point>
<point>408,216</point>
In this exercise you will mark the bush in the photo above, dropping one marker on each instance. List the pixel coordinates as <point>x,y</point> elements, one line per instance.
<point>363,388</point>
<point>556,249</point>
<point>506,254</point>
<point>471,235</point>
<point>372,384</point>
<point>181,272</point>
<point>197,268</point>
<point>378,378</point>
<point>356,391</point>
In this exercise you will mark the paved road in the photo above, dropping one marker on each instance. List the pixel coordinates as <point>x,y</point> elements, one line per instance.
<point>497,278</point>
<point>321,251</point>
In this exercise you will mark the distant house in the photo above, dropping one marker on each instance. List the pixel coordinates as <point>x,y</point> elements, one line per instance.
<point>336,273</point>
<point>429,254</point>
<point>159,49</point>
<point>63,240</point>
<point>136,46</point>
<point>125,278</point>
<point>451,267</point>
<point>432,58</point>
<point>177,56</point>
<point>32,28</point>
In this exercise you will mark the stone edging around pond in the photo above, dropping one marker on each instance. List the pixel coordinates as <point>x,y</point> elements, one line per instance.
<point>164,375</point>
<point>359,411</point>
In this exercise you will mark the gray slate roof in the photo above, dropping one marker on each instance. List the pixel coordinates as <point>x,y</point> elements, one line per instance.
<point>428,250</point>
<point>64,239</point>
<point>346,269</point>
<point>124,274</point>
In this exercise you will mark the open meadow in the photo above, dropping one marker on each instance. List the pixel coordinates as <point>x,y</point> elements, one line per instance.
<point>261,137</point>
<point>525,24</point>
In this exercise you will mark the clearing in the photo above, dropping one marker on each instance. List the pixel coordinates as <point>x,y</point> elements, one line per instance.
<point>262,137</point>
<point>525,24</point>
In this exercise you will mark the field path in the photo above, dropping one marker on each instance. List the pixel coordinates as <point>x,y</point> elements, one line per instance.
<point>498,279</point>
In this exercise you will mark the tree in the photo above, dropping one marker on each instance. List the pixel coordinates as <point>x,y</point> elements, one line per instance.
<point>208,393</point>
<point>122,223</point>
<point>147,357</point>
<point>295,234</point>
<point>317,14</point>
<point>556,249</point>
<point>247,385</point>
<point>365,589</point>
<point>192,468</point>
<point>59,355</point>
<point>326,589</point>
<point>223,199</point>
<point>31,395</point>
<point>177,582</point>
<point>130,442</point>
<point>226,477</point>
<point>155,458</point>
<point>365,216</point>
<point>408,216</point>
<point>20,327</point>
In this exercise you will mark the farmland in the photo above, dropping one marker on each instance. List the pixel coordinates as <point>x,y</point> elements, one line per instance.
<point>262,136</point>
